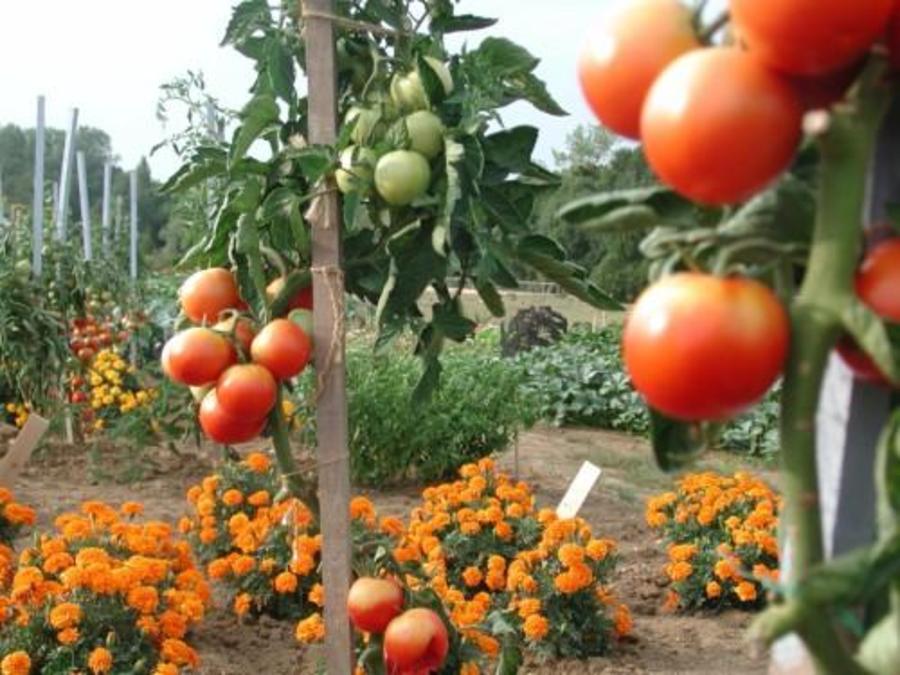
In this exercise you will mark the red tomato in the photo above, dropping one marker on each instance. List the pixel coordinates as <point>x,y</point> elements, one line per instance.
<point>859,362</point>
<point>282,347</point>
<point>85,354</point>
<point>247,390</point>
<point>78,397</point>
<point>374,603</point>
<point>893,37</point>
<point>700,347</point>
<point>625,52</point>
<point>240,328</point>
<point>878,280</point>
<point>415,642</point>
<point>303,299</point>
<point>197,356</point>
<point>710,147</point>
<point>227,429</point>
<point>207,293</point>
<point>809,37</point>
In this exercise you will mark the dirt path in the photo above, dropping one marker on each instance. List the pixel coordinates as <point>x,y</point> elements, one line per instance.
<point>548,458</point>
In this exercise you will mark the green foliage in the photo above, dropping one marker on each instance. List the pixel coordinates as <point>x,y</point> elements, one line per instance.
<point>477,410</point>
<point>581,381</point>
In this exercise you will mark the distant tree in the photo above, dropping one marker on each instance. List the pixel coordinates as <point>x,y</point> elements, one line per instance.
<point>594,160</point>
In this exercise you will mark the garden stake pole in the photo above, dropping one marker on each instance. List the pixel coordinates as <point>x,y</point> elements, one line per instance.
<point>2,216</point>
<point>328,303</point>
<point>65,176</point>
<point>105,210</point>
<point>847,145</point>
<point>37,202</point>
<point>133,245</point>
<point>85,202</point>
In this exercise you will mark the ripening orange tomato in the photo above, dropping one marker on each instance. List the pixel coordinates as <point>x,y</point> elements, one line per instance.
<point>247,390</point>
<point>282,347</point>
<point>809,37</point>
<point>197,356</point>
<point>222,427</point>
<point>374,603</point>
<point>625,52</point>
<point>207,293</point>
<point>416,642</point>
<point>718,127</point>
<point>303,299</point>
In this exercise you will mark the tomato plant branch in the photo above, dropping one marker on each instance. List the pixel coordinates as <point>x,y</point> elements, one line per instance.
<point>846,148</point>
<point>287,465</point>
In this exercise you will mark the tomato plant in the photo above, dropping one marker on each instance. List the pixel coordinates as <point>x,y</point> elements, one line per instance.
<point>626,51</point>
<point>374,603</point>
<point>698,347</point>
<point>809,37</point>
<point>708,147</point>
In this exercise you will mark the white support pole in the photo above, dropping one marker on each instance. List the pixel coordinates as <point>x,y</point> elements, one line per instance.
<point>55,191</point>
<point>120,215</point>
<point>105,213</point>
<point>2,216</point>
<point>65,176</point>
<point>37,203</point>
<point>134,224</point>
<point>85,202</point>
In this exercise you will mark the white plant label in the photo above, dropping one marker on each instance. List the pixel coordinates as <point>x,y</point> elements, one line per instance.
<point>580,488</point>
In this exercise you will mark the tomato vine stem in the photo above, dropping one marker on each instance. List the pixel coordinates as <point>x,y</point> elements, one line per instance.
<point>846,148</point>
<point>284,457</point>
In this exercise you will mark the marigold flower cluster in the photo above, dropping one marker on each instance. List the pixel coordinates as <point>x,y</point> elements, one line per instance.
<point>113,389</point>
<point>722,541</point>
<point>13,517</point>
<point>101,593</point>
<point>483,547</point>
<point>17,413</point>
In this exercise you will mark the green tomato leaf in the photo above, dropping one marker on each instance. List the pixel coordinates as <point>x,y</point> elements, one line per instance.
<point>256,117</point>
<point>511,149</point>
<point>447,319</point>
<point>280,70</point>
<point>784,213</point>
<point>431,81</point>
<point>205,163</point>
<point>313,161</point>
<point>462,22</point>
<point>588,211</point>
<point>504,56</point>
<point>871,335</point>
<point>250,270</point>
<point>529,87</point>
<point>489,295</point>
<point>247,18</point>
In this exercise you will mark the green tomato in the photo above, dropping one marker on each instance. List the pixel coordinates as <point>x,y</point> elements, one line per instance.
<point>408,92</point>
<point>426,133</point>
<point>367,123</point>
<point>304,319</point>
<point>23,269</point>
<point>357,168</point>
<point>402,176</point>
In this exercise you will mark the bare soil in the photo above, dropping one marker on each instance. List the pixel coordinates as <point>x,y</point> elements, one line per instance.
<point>61,477</point>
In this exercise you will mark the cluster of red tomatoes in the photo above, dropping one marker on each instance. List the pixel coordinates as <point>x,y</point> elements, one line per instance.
<point>415,641</point>
<point>718,124</point>
<point>233,369</point>
<point>88,335</point>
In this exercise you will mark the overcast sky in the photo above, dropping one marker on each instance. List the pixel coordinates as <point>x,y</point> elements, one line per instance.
<point>108,58</point>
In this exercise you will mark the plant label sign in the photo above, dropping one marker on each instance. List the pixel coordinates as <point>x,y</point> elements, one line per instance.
<point>579,489</point>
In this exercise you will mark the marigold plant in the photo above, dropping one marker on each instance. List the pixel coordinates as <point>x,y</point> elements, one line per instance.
<point>722,542</point>
<point>102,593</point>
<point>496,562</point>
<point>16,413</point>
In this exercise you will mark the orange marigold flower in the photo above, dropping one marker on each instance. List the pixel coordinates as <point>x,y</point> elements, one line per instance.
<point>310,629</point>
<point>469,668</point>
<point>317,595</point>
<point>219,568</point>
<point>242,604</point>
<point>243,565</point>
<point>472,577</point>
<point>528,606</point>
<point>622,622</point>
<point>503,530</point>
<point>392,526</point>
<point>100,661</point>
<point>599,549</point>
<point>724,570</point>
<point>470,528</point>
<point>713,590</point>
<point>679,571</point>
<point>68,636</point>
<point>673,600</point>
<point>232,498</point>
<point>259,498</point>
<point>746,591</point>
<point>163,668</point>
<point>172,624</point>
<point>682,552</point>
<point>132,509</point>
<point>302,564</point>
<point>285,582</point>
<point>65,615</point>
<point>495,580</point>
<point>16,663</point>
<point>143,598</point>
<point>177,652</point>
<point>257,462</point>
<point>18,514</point>
<point>535,627</point>
<point>570,555</point>
<point>362,508</point>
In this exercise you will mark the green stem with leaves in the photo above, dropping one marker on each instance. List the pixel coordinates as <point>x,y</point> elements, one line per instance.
<point>284,457</point>
<point>846,147</point>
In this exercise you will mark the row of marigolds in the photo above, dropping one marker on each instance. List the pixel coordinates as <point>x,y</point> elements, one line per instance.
<point>486,573</point>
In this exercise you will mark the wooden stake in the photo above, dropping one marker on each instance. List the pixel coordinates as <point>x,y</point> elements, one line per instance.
<point>328,299</point>
<point>20,450</point>
<point>37,203</point>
